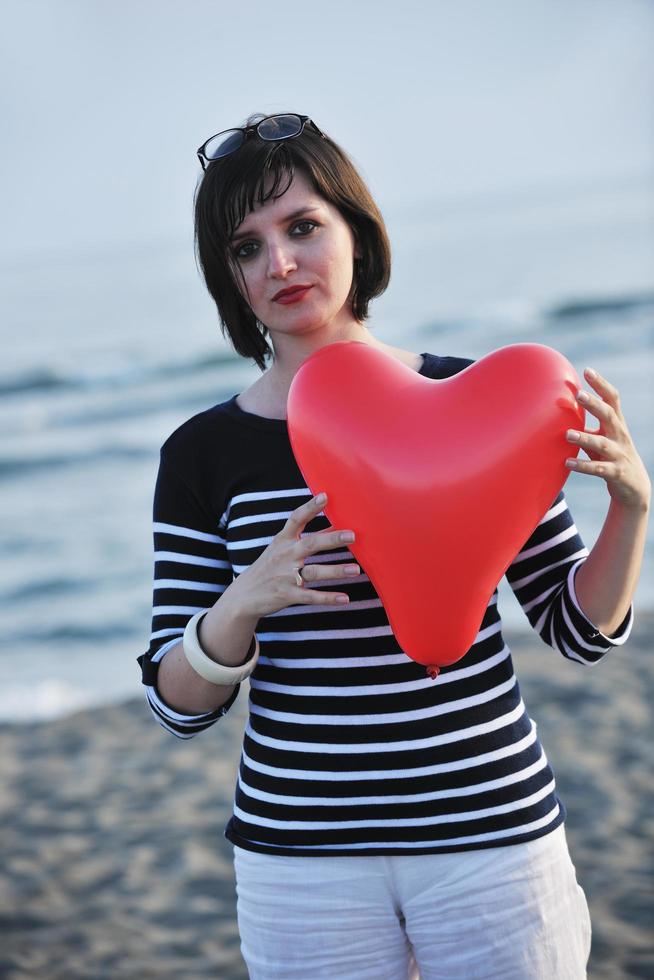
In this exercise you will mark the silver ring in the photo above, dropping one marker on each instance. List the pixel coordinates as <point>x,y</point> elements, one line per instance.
<point>299,581</point>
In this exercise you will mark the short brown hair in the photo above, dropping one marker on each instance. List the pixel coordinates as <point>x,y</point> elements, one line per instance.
<point>261,170</point>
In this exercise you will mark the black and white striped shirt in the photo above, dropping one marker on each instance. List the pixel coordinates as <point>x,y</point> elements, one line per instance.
<point>349,747</point>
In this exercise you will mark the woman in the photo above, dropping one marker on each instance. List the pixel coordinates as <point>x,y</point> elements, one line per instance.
<point>383,822</point>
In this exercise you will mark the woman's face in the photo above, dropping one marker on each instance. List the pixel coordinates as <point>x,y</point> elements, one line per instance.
<point>299,239</point>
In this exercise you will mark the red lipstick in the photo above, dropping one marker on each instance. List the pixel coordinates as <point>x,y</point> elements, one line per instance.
<point>291,295</point>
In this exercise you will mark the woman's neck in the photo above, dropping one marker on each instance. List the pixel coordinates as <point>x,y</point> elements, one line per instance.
<point>269,393</point>
<point>288,360</point>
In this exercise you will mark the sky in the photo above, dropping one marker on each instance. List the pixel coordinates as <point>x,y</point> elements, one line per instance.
<point>104,103</point>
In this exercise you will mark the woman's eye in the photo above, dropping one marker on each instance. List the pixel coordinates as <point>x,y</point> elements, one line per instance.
<point>305,227</point>
<point>300,229</point>
<point>245,250</point>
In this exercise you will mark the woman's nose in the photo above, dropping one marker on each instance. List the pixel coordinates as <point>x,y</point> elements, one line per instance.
<point>280,261</point>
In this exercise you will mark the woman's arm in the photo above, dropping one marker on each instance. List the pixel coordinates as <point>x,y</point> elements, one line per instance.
<point>225,635</point>
<point>192,572</point>
<point>606,582</point>
<point>227,628</point>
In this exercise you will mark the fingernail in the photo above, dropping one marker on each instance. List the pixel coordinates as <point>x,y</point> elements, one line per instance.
<point>347,536</point>
<point>321,498</point>
<point>591,373</point>
<point>583,396</point>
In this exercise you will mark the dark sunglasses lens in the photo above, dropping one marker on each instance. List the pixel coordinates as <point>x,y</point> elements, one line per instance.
<point>280,127</point>
<point>223,143</point>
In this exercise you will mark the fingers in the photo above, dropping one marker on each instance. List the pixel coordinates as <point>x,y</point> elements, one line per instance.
<point>301,517</point>
<point>321,573</point>
<point>318,540</point>
<point>324,540</point>
<point>592,443</point>
<point>607,444</point>
<point>312,543</point>
<point>605,405</point>
<point>316,597</point>
<point>311,595</point>
<point>593,467</point>
<point>612,453</point>
<point>606,390</point>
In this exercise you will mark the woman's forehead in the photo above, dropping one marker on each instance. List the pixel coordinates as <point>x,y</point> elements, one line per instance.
<point>298,194</point>
<point>297,187</point>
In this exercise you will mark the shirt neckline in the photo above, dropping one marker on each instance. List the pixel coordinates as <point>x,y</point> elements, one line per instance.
<point>233,409</point>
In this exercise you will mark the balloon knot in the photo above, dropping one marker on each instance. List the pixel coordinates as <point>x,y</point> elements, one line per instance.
<point>433,670</point>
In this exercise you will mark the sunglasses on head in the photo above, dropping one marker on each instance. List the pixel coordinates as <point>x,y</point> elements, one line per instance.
<point>282,126</point>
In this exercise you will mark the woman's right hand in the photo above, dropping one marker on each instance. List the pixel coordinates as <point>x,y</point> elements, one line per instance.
<point>269,583</point>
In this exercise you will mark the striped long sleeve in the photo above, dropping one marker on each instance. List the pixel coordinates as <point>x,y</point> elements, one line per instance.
<point>542,578</point>
<point>191,570</point>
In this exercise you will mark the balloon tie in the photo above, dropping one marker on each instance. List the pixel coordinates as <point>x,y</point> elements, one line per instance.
<point>433,670</point>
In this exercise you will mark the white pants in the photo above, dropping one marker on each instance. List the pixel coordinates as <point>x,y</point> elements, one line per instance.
<point>513,913</point>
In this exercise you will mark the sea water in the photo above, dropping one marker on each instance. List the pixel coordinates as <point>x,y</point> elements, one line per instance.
<point>106,352</point>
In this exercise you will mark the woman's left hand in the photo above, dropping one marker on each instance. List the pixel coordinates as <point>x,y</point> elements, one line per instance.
<point>613,456</point>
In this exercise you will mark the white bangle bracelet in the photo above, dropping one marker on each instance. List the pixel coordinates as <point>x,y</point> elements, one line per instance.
<point>203,665</point>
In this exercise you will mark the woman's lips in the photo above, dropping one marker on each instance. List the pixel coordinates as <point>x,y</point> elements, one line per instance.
<point>293,297</point>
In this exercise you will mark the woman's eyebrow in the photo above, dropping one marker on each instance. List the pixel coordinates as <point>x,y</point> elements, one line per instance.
<point>289,217</point>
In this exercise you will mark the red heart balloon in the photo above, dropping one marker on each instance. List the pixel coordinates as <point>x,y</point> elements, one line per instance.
<point>442,481</point>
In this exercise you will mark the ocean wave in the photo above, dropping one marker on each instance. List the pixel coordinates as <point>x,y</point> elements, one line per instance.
<point>522,315</point>
<point>43,379</point>
<point>42,701</point>
<point>48,379</point>
<point>592,307</point>
<point>190,398</point>
<point>11,467</point>
<point>48,588</point>
<point>94,633</point>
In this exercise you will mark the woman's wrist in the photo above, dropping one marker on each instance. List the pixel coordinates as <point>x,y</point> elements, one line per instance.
<point>226,656</point>
<point>226,631</point>
<point>216,673</point>
<point>631,519</point>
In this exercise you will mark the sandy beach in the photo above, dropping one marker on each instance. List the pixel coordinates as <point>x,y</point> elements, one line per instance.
<point>114,864</point>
